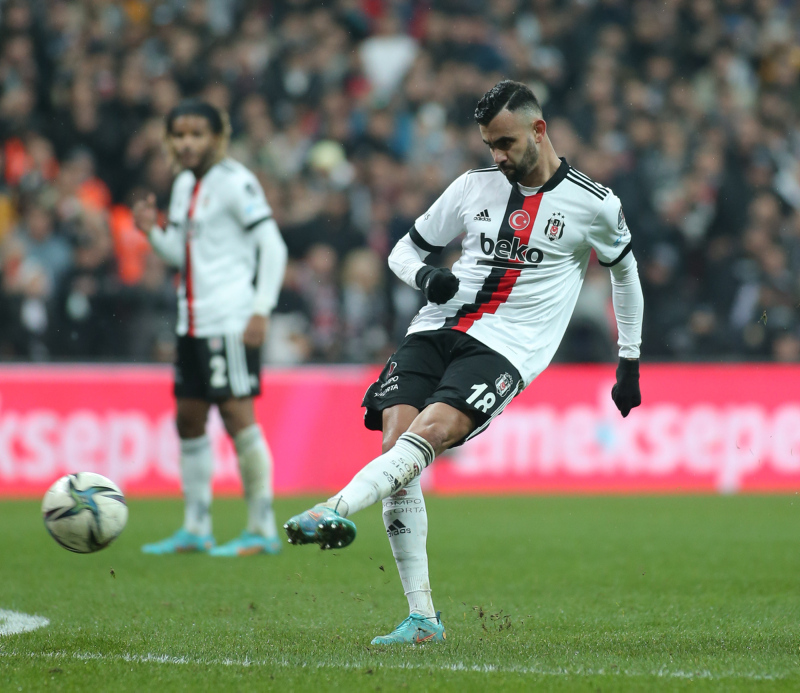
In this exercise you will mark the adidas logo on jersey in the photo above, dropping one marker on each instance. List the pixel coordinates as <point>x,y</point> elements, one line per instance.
<point>482,216</point>
<point>396,528</point>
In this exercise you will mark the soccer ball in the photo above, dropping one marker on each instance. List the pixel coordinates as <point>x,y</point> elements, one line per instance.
<point>84,512</point>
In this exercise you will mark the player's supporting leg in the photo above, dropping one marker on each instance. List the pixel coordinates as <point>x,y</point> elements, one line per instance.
<point>406,520</point>
<point>197,468</point>
<point>437,428</point>
<point>255,466</point>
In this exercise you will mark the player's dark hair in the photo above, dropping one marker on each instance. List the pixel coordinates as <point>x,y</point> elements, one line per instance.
<point>217,119</point>
<point>196,107</point>
<point>507,94</point>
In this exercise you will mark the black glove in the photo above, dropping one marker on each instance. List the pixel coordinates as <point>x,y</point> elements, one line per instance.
<point>438,284</point>
<point>626,393</point>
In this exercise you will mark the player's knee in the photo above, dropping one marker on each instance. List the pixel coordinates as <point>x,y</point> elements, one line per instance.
<point>437,433</point>
<point>389,439</point>
<point>190,425</point>
<point>443,431</point>
<point>233,422</point>
<point>236,417</point>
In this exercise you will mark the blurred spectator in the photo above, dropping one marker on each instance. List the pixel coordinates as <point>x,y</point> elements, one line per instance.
<point>355,115</point>
<point>364,333</point>
<point>42,246</point>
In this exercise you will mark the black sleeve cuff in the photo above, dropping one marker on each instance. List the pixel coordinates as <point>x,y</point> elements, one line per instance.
<point>619,257</point>
<point>421,243</point>
<point>255,223</point>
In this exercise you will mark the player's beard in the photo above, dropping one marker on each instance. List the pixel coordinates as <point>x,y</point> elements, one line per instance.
<point>528,162</point>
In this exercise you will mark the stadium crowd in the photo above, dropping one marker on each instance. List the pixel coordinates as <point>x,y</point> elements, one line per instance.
<point>356,114</point>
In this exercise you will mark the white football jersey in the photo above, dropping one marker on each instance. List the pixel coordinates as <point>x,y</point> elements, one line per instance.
<point>214,216</point>
<point>523,258</point>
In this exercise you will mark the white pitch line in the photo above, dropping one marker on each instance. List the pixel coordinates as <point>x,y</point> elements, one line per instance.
<point>152,658</point>
<point>13,622</point>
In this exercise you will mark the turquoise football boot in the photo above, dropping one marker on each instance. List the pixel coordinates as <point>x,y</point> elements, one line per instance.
<point>248,544</point>
<point>414,630</point>
<point>321,525</point>
<point>180,542</point>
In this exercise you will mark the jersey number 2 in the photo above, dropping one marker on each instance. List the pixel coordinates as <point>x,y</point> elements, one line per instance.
<point>219,371</point>
<point>487,402</point>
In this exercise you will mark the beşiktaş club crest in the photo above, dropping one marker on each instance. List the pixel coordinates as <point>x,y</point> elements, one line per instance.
<point>555,227</point>
<point>504,384</point>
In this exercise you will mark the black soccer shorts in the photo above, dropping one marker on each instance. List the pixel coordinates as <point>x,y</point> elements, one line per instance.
<point>443,366</point>
<point>216,368</point>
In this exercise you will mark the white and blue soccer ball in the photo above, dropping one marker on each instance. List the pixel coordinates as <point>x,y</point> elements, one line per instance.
<point>84,512</point>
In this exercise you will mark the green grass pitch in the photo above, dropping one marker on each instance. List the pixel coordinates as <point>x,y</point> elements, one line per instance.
<point>540,593</point>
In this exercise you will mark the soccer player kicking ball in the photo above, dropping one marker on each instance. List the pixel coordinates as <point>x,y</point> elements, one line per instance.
<point>221,234</point>
<point>489,328</point>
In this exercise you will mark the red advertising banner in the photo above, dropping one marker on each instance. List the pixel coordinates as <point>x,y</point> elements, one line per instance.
<point>701,428</point>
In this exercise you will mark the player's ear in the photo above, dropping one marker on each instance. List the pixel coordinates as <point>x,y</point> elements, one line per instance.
<point>539,128</point>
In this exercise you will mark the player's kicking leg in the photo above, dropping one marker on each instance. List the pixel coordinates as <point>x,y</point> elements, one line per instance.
<point>197,467</point>
<point>437,428</point>
<point>326,524</point>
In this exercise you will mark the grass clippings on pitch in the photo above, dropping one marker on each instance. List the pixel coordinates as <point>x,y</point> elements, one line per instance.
<point>562,594</point>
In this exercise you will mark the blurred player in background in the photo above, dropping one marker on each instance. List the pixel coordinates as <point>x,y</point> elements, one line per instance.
<point>221,234</point>
<point>490,327</point>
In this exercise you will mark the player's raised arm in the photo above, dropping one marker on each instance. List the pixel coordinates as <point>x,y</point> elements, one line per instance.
<point>168,243</point>
<point>611,239</point>
<point>431,233</point>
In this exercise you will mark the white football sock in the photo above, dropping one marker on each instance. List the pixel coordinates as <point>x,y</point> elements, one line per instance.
<point>385,475</point>
<point>255,466</point>
<point>197,468</point>
<point>406,522</point>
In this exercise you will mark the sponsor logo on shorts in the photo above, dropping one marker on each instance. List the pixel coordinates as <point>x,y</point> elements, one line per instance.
<point>386,389</point>
<point>504,384</point>
<point>215,344</point>
<point>390,384</point>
